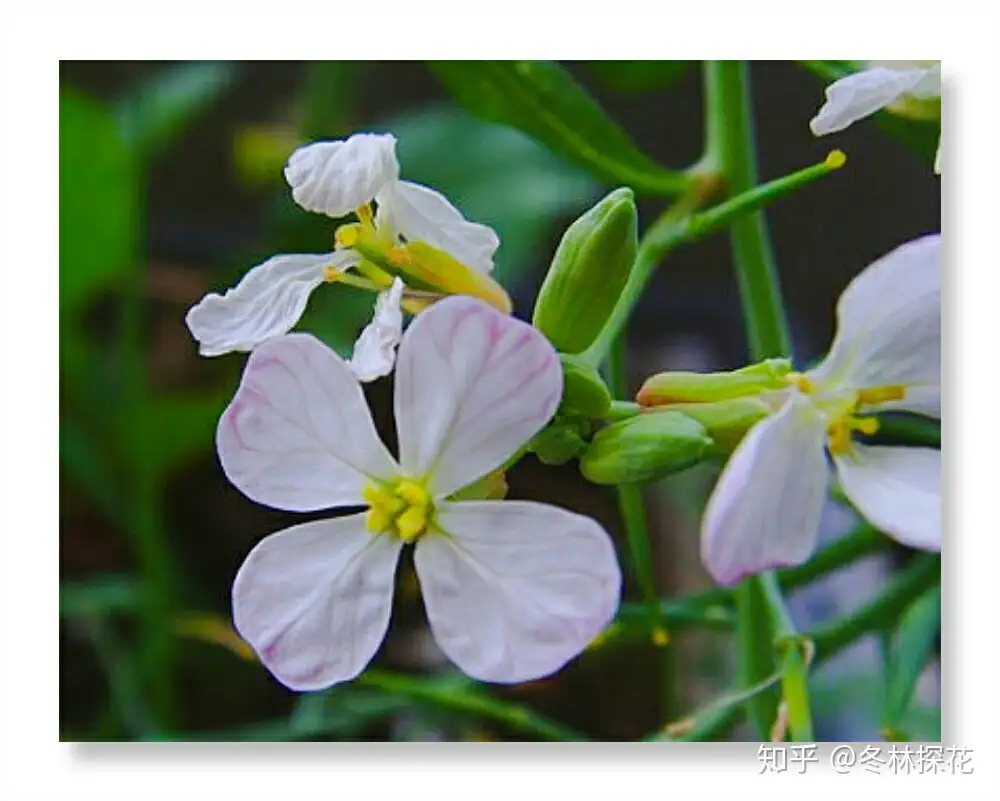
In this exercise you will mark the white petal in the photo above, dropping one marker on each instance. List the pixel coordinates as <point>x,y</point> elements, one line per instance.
<point>419,213</point>
<point>764,511</point>
<point>472,386</point>
<point>889,328</point>
<point>375,350</point>
<point>314,600</point>
<point>862,94</point>
<point>515,589</point>
<point>335,178</point>
<point>267,302</point>
<point>897,489</point>
<point>298,434</point>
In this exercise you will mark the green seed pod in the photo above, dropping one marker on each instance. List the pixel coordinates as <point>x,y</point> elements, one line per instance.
<point>644,448</point>
<point>588,273</point>
<point>557,444</point>
<point>584,390</point>
<point>665,389</point>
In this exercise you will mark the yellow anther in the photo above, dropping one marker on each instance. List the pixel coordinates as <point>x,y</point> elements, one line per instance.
<point>660,637</point>
<point>413,494</point>
<point>347,236</point>
<point>398,257</point>
<point>836,159</point>
<point>403,511</point>
<point>838,437</point>
<point>800,382</point>
<point>876,395</point>
<point>866,425</point>
<point>378,519</point>
<point>412,523</point>
<point>365,215</point>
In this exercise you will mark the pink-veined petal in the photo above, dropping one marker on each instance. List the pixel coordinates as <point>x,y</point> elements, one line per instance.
<point>375,350</point>
<point>897,489</point>
<point>298,434</point>
<point>472,386</point>
<point>862,94</point>
<point>765,509</point>
<point>420,213</point>
<point>268,301</point>
<point>515,589</point>
<point>889,328</point>
<point>336,178</point>
<point>314,600</point>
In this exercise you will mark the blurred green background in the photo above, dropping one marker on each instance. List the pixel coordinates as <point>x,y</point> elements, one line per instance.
<point>171,186</point>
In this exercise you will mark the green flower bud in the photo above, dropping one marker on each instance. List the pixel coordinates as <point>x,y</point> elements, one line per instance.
<point>645,447</point>
<point>584,391</point>
<point>588,273</point>
<point>727,421</point>
<point>665,389</point>
<point>557,444</point>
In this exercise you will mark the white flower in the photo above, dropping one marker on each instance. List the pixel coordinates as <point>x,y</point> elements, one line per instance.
<point>862,94</point>
<point>337,178</point>
<point>765,509</point>
<point>513,589</point>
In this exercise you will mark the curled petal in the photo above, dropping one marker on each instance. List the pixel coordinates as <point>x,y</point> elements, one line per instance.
<point>298,434</point>
<point>314,600</point>
<point>267,302</point>
<point>472,386</point>
<point>516,589</point>
<point>863,93</point>
<point>889,328</point>
<point>421,214</point>
<point>897,489</point>
<point>335,178</point>
<point>765,509</point>
<point>375,350</point>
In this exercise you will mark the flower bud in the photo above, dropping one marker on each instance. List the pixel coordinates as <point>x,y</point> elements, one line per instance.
<point>588,273</point>
<point>584,391</point>
<point>645,447</point>
<point>665,389</point>
<point>726,421</point>
<point>557,444</point>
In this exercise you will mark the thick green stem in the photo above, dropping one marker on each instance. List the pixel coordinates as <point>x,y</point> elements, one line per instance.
<point>760,608</point>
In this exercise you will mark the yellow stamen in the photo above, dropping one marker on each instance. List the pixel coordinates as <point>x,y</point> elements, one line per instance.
<point>404,510</point>
<point>365,215</point>
<point>800,382</point>
<point>876,395</point>
<point>660,637</point>
<point>839,432</point>
<point>347,236</point>
<point>836,159</point>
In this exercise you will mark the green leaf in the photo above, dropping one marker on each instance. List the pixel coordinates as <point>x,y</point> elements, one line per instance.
<point>542,99</point>
<point>98,201</point>
<point>638,76</point>
<point>495,175</point>
<point>914,645</point>
<point>154,114</point>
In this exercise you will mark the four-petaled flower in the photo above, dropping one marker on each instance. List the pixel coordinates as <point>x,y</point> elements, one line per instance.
<point>513,589</point>
<point>901,86</point>
<point>415,233</point>
<point>765,509</point>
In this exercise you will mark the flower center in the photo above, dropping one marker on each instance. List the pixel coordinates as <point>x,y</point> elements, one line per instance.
<point>840,409</point>
<point>403,510</point>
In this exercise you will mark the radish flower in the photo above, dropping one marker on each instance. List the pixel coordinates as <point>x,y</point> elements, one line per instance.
<point>908,88</point>
<point>513,589</point>
<point>765,509</point>
<point>415,235</point>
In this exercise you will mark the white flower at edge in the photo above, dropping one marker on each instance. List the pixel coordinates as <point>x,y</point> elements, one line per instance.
<point>513,589</point>
<point>337,178</point>
<point>765,509</point>
<point>860,95</point>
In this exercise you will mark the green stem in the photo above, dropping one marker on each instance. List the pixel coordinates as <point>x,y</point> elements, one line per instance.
<point>922,573</point>
<point>517,716</point>
<point>760,608</point>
